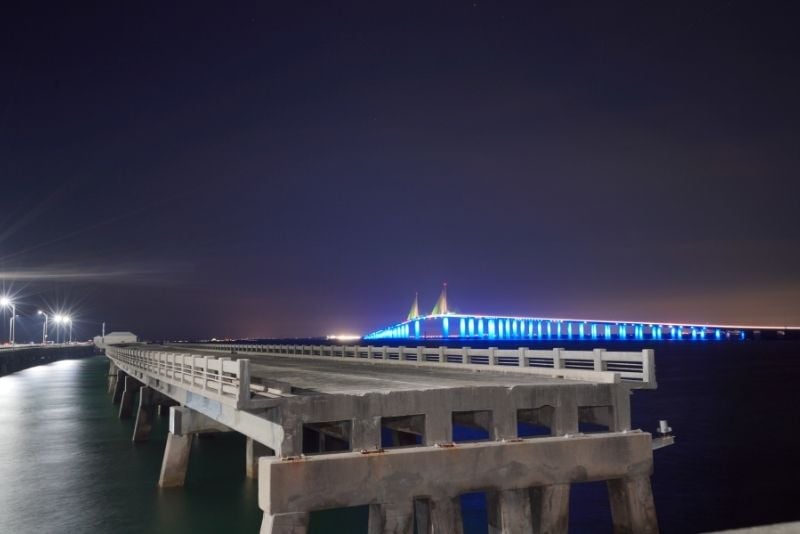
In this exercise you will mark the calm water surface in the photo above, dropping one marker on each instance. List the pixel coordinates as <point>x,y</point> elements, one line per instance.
<point>67,463</point>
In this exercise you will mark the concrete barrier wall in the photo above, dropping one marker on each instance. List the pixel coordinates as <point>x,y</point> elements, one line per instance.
<point>17,359</point>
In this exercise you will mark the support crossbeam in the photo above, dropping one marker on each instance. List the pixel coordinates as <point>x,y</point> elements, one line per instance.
<point>400,475</point>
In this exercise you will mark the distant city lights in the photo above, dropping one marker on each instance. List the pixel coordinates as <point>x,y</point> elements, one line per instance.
<point>343,337</point>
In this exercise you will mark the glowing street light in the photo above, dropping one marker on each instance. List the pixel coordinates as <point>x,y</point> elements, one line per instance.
<point>44,328</point>
<point>7,302</point>
<point>65,320</point>
<point>58,319</point>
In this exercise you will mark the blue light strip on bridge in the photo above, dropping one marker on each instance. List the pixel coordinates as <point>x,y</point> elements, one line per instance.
<point>518,328</point>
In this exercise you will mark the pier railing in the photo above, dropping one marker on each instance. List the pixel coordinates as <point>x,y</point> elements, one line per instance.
<point>222,379</point>
<point>636,369</point>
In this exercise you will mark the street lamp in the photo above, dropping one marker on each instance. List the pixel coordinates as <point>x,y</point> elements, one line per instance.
<point>7,302</point>
<point>44,328</point>
<point>59,319</point>
<point>68,319</point>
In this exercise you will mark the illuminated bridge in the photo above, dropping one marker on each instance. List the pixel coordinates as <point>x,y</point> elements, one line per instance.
<point>442,323</point>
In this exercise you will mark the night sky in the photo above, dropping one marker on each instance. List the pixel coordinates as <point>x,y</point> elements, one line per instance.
<point>296,169</point>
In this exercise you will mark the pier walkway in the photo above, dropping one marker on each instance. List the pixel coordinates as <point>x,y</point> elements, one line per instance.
<point>335,426</point>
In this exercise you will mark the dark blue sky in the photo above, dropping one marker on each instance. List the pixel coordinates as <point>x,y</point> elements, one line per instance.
<point>298,168</point>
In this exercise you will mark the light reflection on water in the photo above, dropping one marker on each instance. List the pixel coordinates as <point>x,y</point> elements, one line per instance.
<point>67,463</point>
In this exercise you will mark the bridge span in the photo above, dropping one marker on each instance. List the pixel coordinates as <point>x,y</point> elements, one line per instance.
<point>340,426</point>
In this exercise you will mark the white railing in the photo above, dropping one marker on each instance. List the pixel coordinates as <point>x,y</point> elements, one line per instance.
<point>222,379</point>
<point>637,369</point>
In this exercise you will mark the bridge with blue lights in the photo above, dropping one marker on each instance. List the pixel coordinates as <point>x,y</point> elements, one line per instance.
<point>443,324</point>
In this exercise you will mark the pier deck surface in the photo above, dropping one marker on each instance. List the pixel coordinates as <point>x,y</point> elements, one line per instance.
<point>334,376</point>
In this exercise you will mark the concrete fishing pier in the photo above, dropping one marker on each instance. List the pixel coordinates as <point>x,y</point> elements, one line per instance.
<point>339,426</point>
<point>18,357</point>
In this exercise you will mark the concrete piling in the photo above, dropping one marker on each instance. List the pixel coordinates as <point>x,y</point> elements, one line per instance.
<point>285,523</point>
<point>253,451</point>
<point>119,386</point>
<point>550,508</point>
<point>145,414</point>
<point>126,400</point>
<point>445,514</point>
<point>112,376</point>
<point>632,508</point>
<point>176,460</point>
<point>509,511</point>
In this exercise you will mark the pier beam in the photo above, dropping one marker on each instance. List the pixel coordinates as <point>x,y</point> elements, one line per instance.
<point>126,400</point>
<point>176,460</point>
<point>632,508</point>
<point>550,509</point>
<point>294,523</point>
<point>391,518</point>
<point>119,386</point>
<point>184,420</point>
<point>509,511</point>
<point>145,414</point>
<point>253,451</point>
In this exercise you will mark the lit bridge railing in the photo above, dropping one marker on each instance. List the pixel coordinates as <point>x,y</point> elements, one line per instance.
<point>222,379</point>
<point>636,369</point>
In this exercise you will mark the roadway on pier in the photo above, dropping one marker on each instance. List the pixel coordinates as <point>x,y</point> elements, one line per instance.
<point>348,376</point>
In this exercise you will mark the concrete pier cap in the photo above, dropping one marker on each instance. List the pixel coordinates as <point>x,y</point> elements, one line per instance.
<point>183,420</point>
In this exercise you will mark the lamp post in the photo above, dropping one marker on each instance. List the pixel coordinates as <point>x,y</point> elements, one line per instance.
<point>44,328</point>
<point>68,320</point>
<point>5,301</point>
<point>59,320</point>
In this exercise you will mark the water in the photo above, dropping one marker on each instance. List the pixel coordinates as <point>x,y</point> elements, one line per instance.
<point>67,463</point>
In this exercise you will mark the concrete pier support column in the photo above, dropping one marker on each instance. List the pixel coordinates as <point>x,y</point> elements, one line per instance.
<point>126,401</point>
<point>119,387</point>
<point>504,423</point>
<point>391,518</point>
<point>253,451</point>
<point>566,416</point>
<point>632,508</point>
<point>445,516</point>
<point>285,523</point>
<point>112,376</point>
<point>366,434</point>
<point>509,511</point>
<point>622,409</point>
<point>145,414</point>
<point>438,427</point>
<point>550,509</point>
<point>176,460</point>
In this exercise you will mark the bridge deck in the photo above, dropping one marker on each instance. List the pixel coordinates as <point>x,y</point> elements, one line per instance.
<point>312,375</point>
